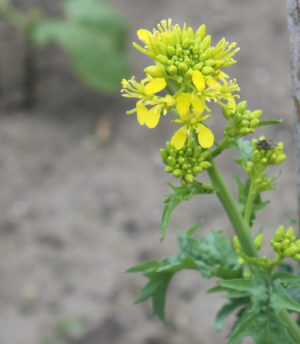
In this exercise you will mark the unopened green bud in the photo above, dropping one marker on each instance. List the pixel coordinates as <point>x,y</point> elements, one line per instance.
<point>189,178</point>
<point>201,31</point>
<point>189,74</point>
<point>245,123</point>
<point>186,166</point>
<point>171,50</point>
<point>179,51</point>
<point>171,161</point>
<point>197,152</point>
<point>186,42</point>
<point>154,71</point>
<point>207,70</point>
<point>237,245</point>
<point>258,241</point>
<point>169,169</point>
<point>264,160</point>
<point>280,158</point>
<point>276,245</point>
<point>172,69</point>
<point>162,59</point>
<point>177,173</point>
<point>205,164</point>
<point>285,244</point>
<point>290,233</point>
<point>255,114</point>
<point>290,251</point>
<point>279,234</point>
<point>197,169</point>
<point>241,106</point>
<point>254,123</point>
<point>198,66</point>
<point>205,43</point>
<point>182,67</point>
<point>179,79</point>
<point>164,155</point>
<point>210,62</point>
<point>244,131</point>
<point>181,160</point>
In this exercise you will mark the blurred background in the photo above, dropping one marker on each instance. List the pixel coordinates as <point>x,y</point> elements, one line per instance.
<point>82,185</point>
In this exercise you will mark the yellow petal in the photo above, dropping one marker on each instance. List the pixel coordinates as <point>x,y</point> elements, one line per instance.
<point>183,102</point>
<point>152,117</point>
<point>231,104</point>
<point>197,105</point>
<point>179,137</point>
<point>198,80</point>
<point>205,136</point>
<point>141,113</point>
<point>144,35</point>
<point>155,86</point>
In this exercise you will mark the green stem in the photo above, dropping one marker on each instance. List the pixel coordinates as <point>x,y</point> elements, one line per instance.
<point>292,327</point>
<point>243,233</point>
<point>240,226</point>
<point>249,203</point>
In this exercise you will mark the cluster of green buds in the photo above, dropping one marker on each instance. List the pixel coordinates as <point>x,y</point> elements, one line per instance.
<point>264,261</point>
<point>187,162</point>
<point>180,51</point>
<point>285,244</point>
<point>264,154</point>
<point>242,121</point>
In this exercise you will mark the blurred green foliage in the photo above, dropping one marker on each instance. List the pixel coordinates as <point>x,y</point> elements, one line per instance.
<point>95,36</point>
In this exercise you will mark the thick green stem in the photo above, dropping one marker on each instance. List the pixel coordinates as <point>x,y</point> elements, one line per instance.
<point>249,203</point>
<point>240,226</point>
<point>243,233</point>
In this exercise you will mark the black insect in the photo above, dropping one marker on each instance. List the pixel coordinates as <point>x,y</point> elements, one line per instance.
<point>265,145</point>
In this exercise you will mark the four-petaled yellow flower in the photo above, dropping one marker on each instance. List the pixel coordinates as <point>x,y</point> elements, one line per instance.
<point>191,121</point>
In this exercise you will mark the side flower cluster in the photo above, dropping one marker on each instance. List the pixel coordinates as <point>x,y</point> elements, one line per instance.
<point>285,243</point>
<point>185,163</point>
<point>241,122</point>
<point>264,154</point>
<point>185,77</point>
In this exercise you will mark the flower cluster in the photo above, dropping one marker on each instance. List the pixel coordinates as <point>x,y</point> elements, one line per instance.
<point>264,154</point>
<point>242,121</point>
<point>185,77</point>
<point>285,243</point>
<point>187,162</point>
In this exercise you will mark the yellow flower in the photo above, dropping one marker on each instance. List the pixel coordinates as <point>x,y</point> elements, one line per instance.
<point>191,121</point>
<point>149,117</point>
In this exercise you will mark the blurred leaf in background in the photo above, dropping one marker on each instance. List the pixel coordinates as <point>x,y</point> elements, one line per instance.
<point>95,37</point>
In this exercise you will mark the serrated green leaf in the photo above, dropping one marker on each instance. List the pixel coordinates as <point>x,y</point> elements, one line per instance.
<point>181,193</point>
<point>237,284</point>
<point>269,122</point>
<point>214,252</point>
<point>149,264</point>
<point>155,283</point>
<point>280,299</point>
<point>94,37</point>
<point>264,328</point>
<point>159,299</point>
<point>226,310</point>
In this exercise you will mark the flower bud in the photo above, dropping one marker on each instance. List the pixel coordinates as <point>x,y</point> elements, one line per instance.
<point>241,106</point>
<point>258,241</point>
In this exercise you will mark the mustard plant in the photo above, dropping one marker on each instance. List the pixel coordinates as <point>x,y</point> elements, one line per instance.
<point>185,77</point>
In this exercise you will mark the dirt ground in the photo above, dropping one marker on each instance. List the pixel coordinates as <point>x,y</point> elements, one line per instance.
<point>74,213</point>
